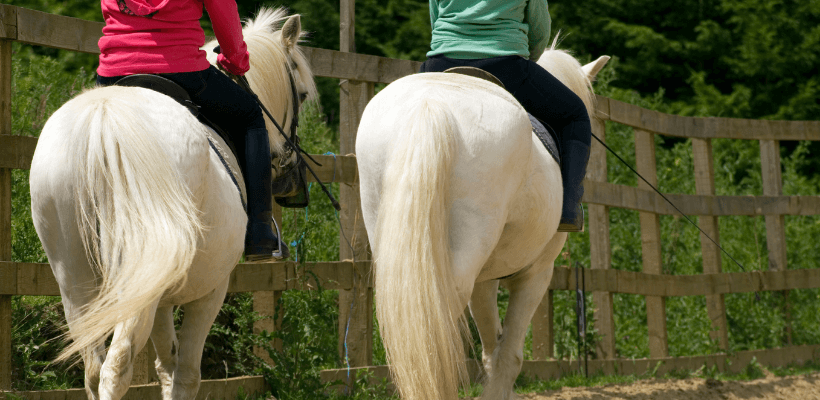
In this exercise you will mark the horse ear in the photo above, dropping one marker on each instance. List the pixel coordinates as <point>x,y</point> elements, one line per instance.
<point>591,70</point>
<point>291,31</point>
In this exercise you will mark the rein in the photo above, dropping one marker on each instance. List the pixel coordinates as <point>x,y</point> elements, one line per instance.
<point>293,140</point>
<point>668,201</point>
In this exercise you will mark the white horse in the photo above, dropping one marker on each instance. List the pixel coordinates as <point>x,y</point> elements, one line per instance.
<point>137,215</point>
<point>457,193</point>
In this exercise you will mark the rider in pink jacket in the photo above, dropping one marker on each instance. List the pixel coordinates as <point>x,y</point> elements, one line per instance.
<point>164,37</point>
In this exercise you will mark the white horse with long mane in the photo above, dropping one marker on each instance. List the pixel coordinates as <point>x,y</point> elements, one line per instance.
<point>137,215</point>
<point>457,193</point>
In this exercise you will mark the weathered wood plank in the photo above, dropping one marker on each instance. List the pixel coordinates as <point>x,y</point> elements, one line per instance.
<point>356,305</point>
<point>735,363</point>
<point>5,214</point>
<point>705,185</point>
<point>775,224</point>
<point>36,279</point>
<point>16,151</point>
<point>39,28</point>
<point>707,128</point>
<point>383,372</point>
<point>8,22</point>
<point>340,169</point>
<point>600,248</point>
<point>338,275</point>
<point>651,244</point>
<point>543,333</point>
<point>554,369</point>
<point>639,199</point>
<point>358,67</point>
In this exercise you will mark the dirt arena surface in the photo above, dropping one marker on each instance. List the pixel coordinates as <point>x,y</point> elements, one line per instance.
<point>801,387</point>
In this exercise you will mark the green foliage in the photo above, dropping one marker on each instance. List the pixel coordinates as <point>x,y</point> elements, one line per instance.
<point>37,326</point>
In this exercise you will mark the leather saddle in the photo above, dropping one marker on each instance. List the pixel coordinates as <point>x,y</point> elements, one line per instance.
<point>543,131</point>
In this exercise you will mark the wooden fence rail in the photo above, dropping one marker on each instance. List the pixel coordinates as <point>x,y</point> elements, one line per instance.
<point>358,74</point>
<point>36,279</point>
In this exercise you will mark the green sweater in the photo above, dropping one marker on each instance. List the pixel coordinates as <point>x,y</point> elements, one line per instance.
<point>471,29</point>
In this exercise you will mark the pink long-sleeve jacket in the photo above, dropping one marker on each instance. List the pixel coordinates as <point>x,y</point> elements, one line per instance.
<point>164,36</point>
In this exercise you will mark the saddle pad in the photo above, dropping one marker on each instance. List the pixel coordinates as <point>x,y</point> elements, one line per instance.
<point>546,136</point>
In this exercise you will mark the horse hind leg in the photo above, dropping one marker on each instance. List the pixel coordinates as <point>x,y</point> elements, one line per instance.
<point>93,358</point>
<point>199,316</point>
<point>484,308</point>
<point>166,346</point>
<point>527,289</point>
<point>129,338</point>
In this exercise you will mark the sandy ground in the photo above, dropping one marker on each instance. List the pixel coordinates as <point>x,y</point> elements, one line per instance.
<point>803,387</point>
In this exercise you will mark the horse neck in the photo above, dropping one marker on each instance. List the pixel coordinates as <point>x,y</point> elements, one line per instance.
<point>275,92</point>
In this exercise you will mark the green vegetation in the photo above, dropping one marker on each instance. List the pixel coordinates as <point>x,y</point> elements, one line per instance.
<point>706,58</point>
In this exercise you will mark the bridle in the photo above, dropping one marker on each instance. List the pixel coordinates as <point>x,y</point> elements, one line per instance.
<point>292,140</point>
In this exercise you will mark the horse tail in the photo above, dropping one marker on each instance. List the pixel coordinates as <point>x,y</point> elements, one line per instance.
<point>420,316</point>
<point>137,217</point>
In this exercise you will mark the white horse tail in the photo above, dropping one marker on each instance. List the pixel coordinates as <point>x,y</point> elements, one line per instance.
<point>137,216</point>
<point>418,307</point>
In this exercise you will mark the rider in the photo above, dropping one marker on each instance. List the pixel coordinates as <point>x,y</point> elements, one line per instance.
<point>165,39</point>
<point>505,38</point>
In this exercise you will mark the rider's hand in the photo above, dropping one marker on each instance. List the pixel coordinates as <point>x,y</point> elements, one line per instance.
<point>236,67</point>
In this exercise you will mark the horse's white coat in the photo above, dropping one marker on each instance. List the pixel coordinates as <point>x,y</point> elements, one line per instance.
<point>456,193</point>
<point>125,177</point>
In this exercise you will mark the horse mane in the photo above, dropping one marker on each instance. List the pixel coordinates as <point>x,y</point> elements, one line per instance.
<point>562,65</point>
<point>270,65</point>
<point>263,36</point>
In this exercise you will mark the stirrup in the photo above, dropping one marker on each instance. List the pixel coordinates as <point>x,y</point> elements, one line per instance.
<point>573,226</point>
<point>280,253</point>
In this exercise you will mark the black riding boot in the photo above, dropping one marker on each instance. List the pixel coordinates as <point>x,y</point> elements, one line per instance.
<point>574,158</point>
<point>261,241</point>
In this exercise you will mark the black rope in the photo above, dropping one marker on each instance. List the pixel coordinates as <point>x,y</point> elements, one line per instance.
<point>668,201</point>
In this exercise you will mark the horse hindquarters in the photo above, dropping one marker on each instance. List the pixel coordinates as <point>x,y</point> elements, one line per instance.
<point>129,209</point>
<point>419,310</point>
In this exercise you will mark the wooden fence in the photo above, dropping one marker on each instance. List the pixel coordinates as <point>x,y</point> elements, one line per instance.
<point>352,277</point>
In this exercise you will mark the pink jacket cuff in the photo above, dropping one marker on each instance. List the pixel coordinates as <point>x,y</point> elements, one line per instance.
<point>238,66</point>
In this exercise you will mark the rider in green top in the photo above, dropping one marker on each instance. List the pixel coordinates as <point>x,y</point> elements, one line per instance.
<point>505,38</point>
<point>466,29</point>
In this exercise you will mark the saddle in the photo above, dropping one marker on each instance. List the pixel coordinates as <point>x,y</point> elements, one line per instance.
<point>542,131</point>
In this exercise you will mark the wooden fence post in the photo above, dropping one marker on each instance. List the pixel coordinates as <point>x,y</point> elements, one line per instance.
<point>264,304</point>
<point>543,336</point>
<point>600,249</point>
<point>705,185</point>
<point>5,214</point>
<point>651,244</point>
<point>356,305</point>
<point>775,224</point>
